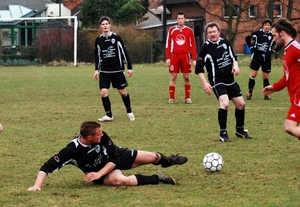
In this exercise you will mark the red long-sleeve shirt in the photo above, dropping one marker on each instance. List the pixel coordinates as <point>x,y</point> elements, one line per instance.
<point>180,40</point>
<point>291,68</point>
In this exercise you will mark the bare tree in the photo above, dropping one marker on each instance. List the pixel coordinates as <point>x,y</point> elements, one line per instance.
<point>231,13</point>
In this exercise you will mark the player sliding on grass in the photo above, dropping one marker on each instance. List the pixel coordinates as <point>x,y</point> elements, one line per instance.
<point>102,161</point>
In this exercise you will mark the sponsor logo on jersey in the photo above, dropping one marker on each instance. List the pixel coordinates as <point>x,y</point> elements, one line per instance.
<point>224,46</point>
<point>293,115</point>
<point>96,148</point>
<point>180,39</point>
<point>56,158</point>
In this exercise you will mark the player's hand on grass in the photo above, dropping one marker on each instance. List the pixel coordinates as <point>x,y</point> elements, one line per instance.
<point>89,177</point>
<point>34,188</point>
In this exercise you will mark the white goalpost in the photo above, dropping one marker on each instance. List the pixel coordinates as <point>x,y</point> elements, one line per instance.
<point>47,18</point>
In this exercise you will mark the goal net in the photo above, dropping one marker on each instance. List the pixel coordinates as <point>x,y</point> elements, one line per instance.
<point>51,38</point>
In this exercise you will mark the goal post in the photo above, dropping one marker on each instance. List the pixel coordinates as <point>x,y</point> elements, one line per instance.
<point>51,18</point>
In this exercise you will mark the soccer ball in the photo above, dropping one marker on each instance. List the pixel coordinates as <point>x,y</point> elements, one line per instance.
<point>213,162</point>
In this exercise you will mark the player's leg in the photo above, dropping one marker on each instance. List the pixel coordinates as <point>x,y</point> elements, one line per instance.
<point>186,70</point>
<point>221,93</point>
<point>117,178</point>
<point>1,128</point>
<point>173,70</point>
<point>104,84</point>
<point>266,69</point>
<point>292,128</point>
<point>120,83</point>
<point>254,66</point>
<point>222,117</point>
<point>238,100</point>
<point>156,158</point>
<point>292,121</point>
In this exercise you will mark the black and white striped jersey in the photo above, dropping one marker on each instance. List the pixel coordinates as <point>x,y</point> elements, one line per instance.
<point>217,58</point>
<point>88,158</point>
<point>111,54</point>
<point>261,42</point>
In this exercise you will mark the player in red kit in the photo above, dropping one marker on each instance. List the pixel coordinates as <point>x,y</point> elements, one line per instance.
<point>180,46</point>
<point>284,34</point>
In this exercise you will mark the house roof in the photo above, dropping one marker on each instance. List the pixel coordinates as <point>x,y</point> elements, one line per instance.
<point>181,1</point>
<point>32,4</point>
<point>160,23</point>
<point>17,11</point>
<point>71,4</point>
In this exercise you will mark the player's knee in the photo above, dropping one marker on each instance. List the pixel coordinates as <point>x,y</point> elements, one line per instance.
<point>287,128</point>
<point>156,157</point>
<point>118,181</point>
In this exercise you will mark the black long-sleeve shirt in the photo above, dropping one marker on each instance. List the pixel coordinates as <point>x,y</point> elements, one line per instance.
<point>111,54</point>
<point>88,158</point>
<point>261,42</point>
<point>217,58</point>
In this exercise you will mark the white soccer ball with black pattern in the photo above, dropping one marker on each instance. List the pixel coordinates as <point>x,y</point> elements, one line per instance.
<point>213,162</point>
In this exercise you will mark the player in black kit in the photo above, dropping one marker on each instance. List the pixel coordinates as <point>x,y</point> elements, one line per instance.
<point>110,56</point>
<point>102,161</point>
<point>217,56</point>
<point>262,46</point>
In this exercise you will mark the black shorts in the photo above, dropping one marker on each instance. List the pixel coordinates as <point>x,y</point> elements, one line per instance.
<point>232,90</point>
<point>127,157</point>
<point>263,60</point>
<point>117,79</point>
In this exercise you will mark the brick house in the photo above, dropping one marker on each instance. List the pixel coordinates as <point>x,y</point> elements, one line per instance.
<point>200,12</point>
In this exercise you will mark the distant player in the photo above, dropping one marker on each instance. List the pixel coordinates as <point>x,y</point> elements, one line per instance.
<point>262,45</point>
<point>284,34</point>
<point>180,46</point>
<point>1,128</point>
<point>110,56</point>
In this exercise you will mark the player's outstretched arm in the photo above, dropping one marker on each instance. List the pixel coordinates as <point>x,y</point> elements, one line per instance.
<point>38,182</point>
<point>267,90</point>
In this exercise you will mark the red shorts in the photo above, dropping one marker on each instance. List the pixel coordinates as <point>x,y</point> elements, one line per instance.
<point>180,63</point>
<point>294,113</point>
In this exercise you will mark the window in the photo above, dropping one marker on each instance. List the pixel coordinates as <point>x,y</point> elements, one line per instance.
<point>252,11</point>
<point>233,9</point>
<point>277,10</point>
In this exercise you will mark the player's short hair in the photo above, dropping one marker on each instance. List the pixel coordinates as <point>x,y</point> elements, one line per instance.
<point>104,18</point>
<point>88,128</point>
<point>283,24</point>
<point>267,21</point>
<point>212,24</point>
<point>180,13</point>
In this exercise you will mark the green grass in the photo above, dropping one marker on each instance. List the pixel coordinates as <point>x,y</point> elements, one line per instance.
<point>41,108</point>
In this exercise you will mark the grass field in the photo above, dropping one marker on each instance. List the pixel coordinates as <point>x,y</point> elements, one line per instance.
<point>41,109</point>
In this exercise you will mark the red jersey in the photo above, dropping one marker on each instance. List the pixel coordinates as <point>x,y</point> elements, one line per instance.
<point>291,77</point>
<point>180,40</point>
